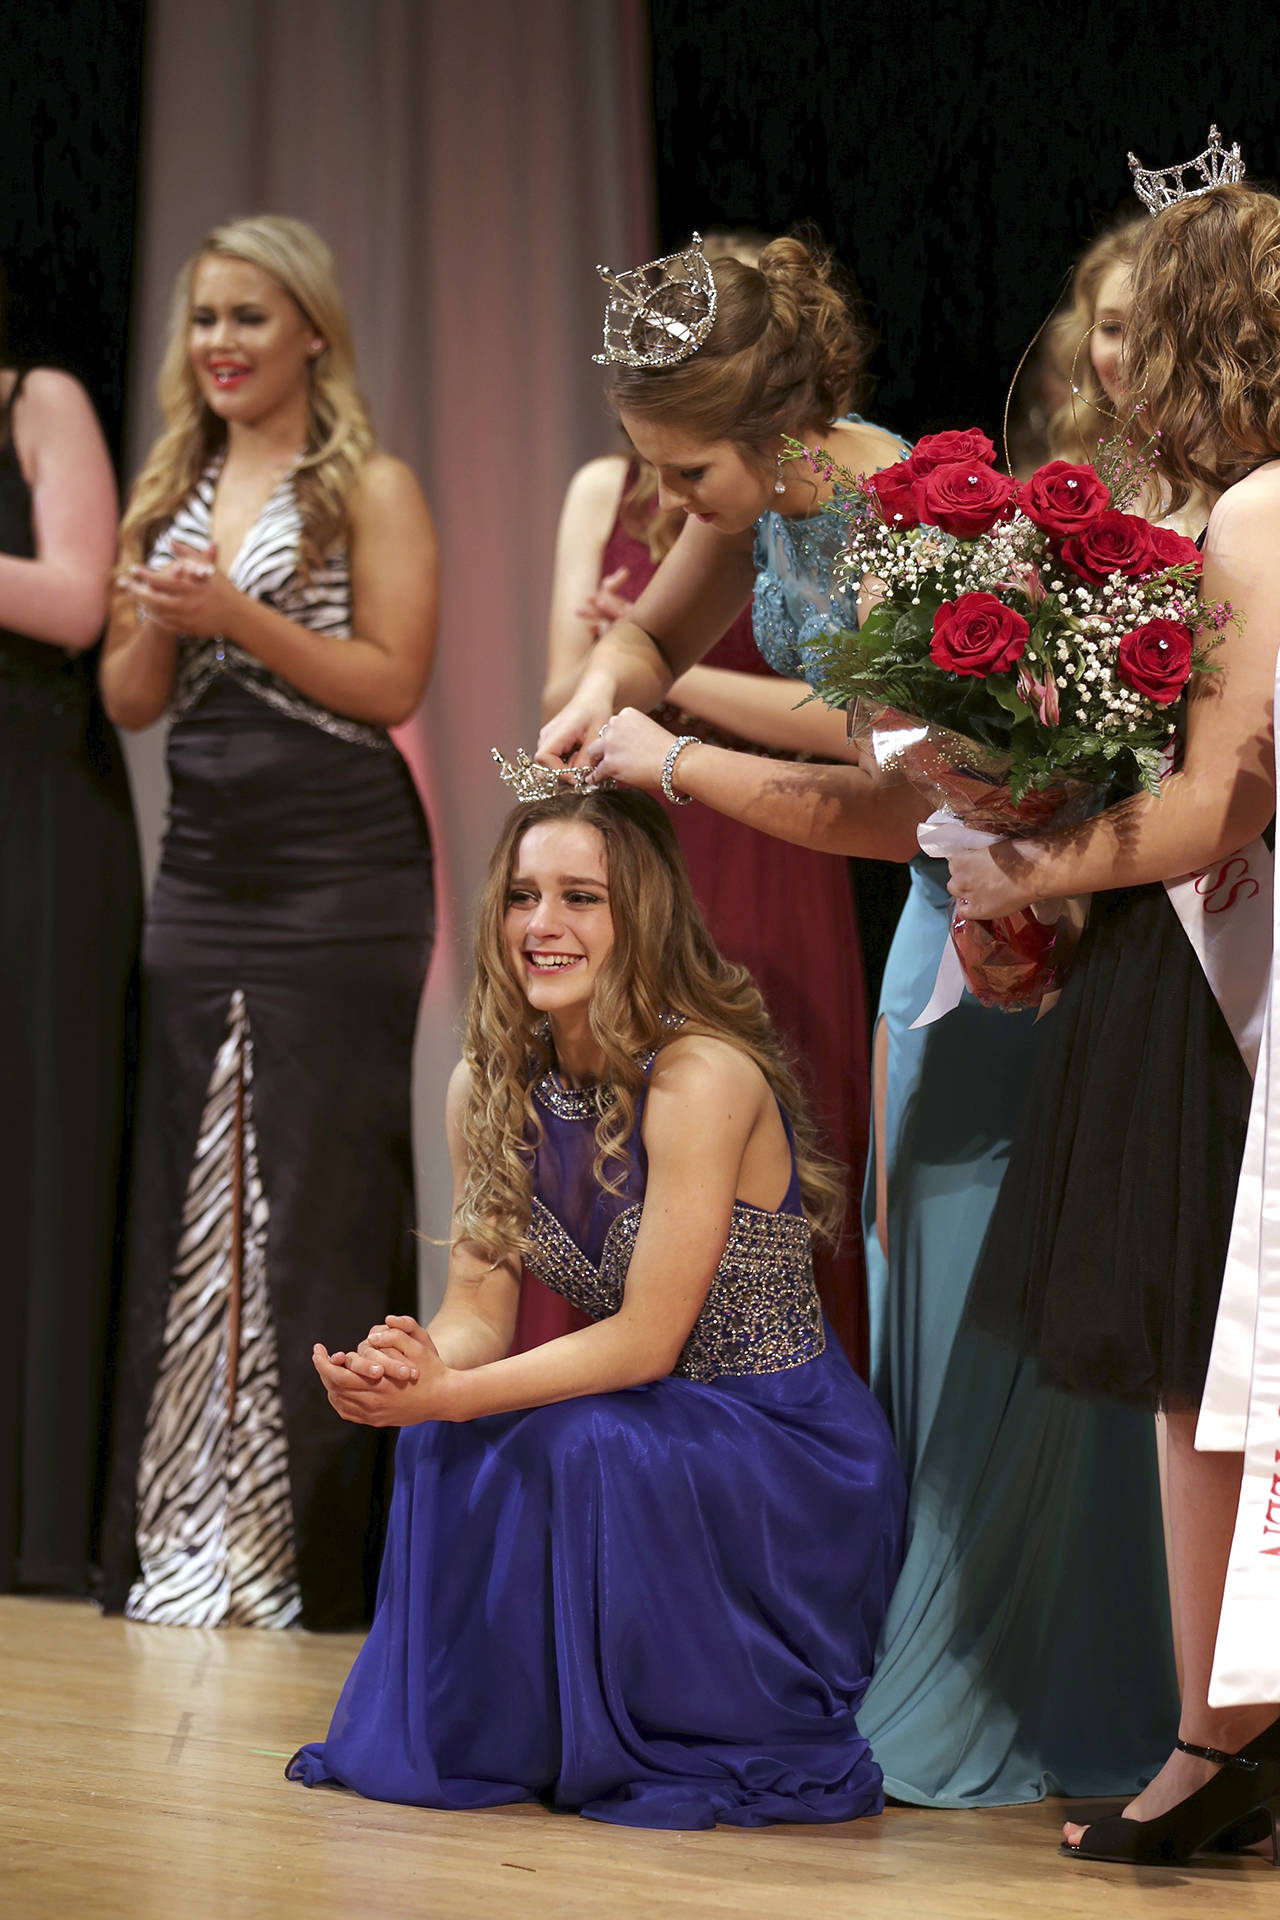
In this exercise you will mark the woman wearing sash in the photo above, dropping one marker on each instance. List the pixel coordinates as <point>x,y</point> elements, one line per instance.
<point>1107,1249</point>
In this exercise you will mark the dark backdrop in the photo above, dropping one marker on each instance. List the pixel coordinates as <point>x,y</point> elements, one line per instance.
<point>957,154</point>
<point>69,100</point>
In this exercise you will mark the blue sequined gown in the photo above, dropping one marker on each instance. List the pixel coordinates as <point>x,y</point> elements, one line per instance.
<point>656,1606</point>
<point>1018,1656</point>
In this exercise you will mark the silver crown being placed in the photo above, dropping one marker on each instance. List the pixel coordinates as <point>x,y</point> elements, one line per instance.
<point>1164,186</point>
<point>528,781</point>
<point>640,333</point>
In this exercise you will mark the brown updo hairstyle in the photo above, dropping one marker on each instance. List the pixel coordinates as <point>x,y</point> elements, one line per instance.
<point>786,354</point>
<point>1204,336</point>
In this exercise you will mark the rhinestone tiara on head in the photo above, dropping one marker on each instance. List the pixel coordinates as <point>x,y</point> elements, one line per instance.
<point>1162,187</point>
<point>658,314</point>
<point>528,781</point>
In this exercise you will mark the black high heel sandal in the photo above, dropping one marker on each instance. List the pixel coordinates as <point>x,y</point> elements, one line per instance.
<point>1262,1824</point>
<point>1236,1809</point>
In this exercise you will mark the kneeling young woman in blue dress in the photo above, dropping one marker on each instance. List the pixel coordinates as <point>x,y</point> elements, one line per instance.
<point>640,1571</point>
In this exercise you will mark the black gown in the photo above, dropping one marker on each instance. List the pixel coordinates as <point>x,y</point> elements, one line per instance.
<point>70,906</point>
<point>1109,1238</point>
<point>284,958</point>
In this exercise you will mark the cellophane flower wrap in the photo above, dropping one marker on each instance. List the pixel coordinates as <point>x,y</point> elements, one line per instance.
<point>1028,649</point>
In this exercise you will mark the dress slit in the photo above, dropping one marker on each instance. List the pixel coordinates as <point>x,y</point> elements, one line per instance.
<point>215,1529</point>
<point>235,1287</point>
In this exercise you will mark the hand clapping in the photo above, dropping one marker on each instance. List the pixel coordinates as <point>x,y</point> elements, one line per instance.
<point>189,596</point>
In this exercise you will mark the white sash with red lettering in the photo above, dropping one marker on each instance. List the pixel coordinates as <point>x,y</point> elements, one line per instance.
<point>1226,914</point>
<point>1240,1411</point>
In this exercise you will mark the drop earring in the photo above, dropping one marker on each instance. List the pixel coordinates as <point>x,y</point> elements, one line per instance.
<point>779,485</point>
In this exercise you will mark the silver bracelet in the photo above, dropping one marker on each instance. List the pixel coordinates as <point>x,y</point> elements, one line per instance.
<point>669,767</point>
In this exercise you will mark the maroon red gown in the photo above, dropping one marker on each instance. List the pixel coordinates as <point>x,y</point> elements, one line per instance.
<point>787,913</point>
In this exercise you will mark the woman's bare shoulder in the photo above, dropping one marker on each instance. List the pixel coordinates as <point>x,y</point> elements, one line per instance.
<point>50,401</point>
<point>705,1065</point>
<point>384,479</point>
<point>595,491</point>
<point>1246,511</point>
<point>864,447</point>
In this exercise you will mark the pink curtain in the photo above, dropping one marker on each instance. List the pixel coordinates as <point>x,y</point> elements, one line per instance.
<point>469,161</point>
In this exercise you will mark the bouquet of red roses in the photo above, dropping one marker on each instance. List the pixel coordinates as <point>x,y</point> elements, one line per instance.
<point>1028,645</point>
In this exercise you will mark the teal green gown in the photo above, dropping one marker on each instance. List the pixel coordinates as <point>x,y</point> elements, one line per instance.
<point>1018,1656</point>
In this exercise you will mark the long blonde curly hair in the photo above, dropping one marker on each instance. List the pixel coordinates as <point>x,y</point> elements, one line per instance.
<point>1204,336</point>
<point>340,438</point>
<point>662,962</point>
<point>1087,417</point>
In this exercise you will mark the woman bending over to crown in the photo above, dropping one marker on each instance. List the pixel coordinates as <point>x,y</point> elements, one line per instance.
<point>641,1569</point>
<point>753,890</point>
<point>277,598</point>
<point>1108,1246</point>
<point>1021,1527</point>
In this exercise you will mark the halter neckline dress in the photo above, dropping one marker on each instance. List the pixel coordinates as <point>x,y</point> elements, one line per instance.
<point>285,951</point>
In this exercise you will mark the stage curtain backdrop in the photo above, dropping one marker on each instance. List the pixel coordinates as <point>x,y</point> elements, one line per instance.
<point>469,165</point>
<point>957,157</point>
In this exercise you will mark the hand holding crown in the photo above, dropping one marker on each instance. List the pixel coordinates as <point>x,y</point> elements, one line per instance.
<point>528,781</point>
<point>630,750</point>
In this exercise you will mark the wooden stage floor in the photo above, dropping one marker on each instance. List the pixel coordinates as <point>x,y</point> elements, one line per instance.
<point>141,1779</point>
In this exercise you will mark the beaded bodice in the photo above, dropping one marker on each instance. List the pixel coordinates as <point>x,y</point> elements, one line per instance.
<point>797,601</point>
<point>762,1313</point>
<point>266,568</point>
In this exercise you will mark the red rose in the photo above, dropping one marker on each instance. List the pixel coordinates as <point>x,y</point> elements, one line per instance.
<point>966,498</point>
<point>897,494</point>
<point>1175,550</point>
<point>1155,660</point>
<point>957,444</point>
<point>977,634</point>
<point>1112,543</point>
<point>1062,499</point>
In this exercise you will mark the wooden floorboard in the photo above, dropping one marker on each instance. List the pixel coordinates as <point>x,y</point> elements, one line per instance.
<point>141,1779</point>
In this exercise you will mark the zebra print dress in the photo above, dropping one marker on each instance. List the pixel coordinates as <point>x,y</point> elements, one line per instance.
<point>284,956</point>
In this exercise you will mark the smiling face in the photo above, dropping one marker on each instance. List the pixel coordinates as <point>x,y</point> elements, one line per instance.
<point>711,479</point>
<point>249,342</point>
<point>558,925</point>
<point>1110,318</point>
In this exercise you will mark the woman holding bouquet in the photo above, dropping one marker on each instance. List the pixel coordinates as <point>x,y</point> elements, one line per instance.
<point>1108,1247</point>
<point>1019,1529</point>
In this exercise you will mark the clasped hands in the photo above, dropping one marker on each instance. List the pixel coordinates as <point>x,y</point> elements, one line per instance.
<point>189,596</point>
<point>394,1378</point>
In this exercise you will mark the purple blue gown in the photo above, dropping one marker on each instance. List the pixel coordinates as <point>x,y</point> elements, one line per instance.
<point>659,1606</point>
